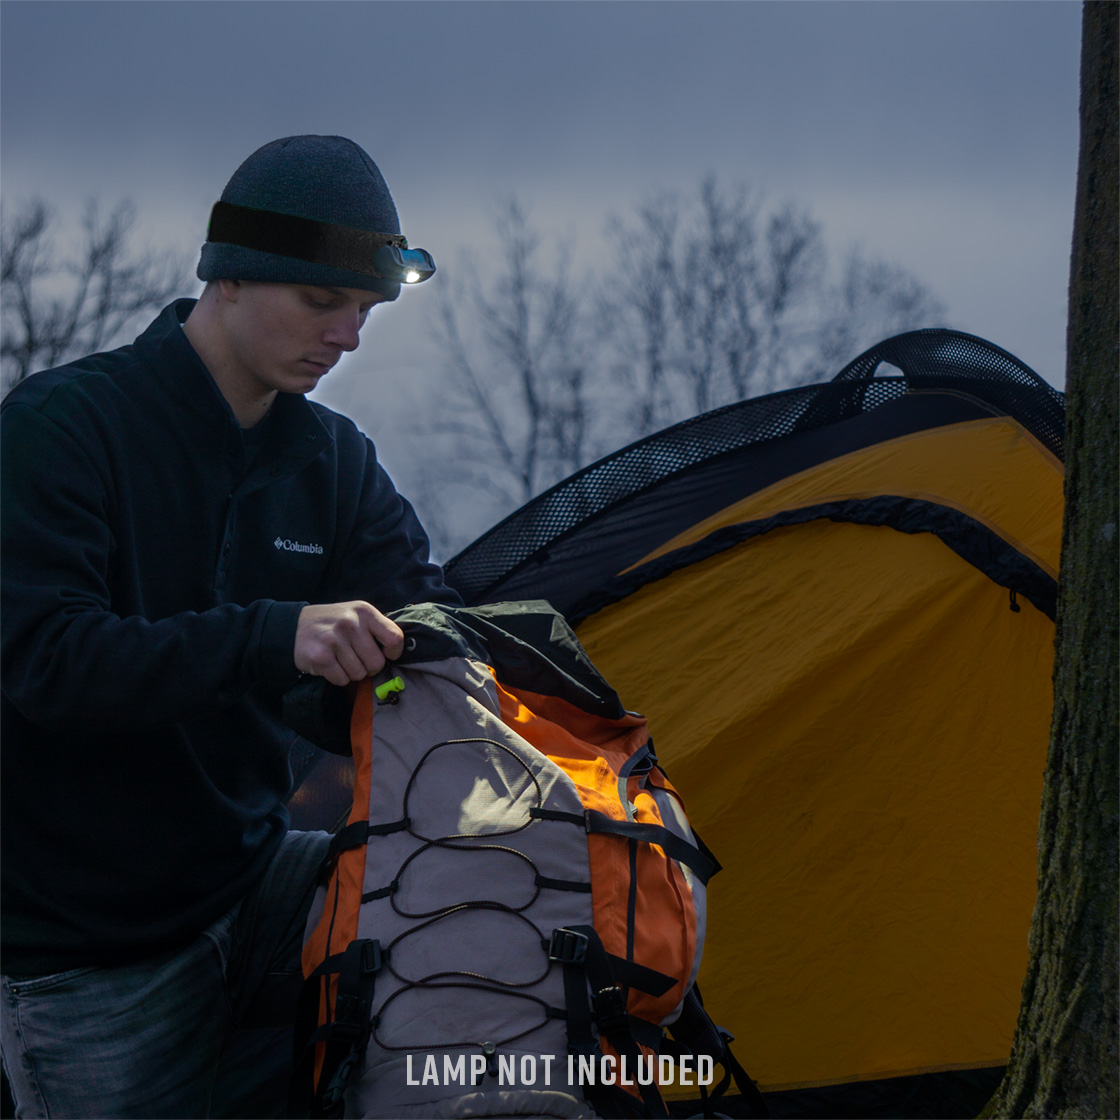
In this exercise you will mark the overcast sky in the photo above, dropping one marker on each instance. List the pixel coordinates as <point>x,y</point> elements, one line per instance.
<point>941,136</point>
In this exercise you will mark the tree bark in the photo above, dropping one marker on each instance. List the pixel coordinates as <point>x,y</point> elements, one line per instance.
<point>1065,1060</point>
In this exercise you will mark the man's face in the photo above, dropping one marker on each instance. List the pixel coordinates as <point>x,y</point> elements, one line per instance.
<point>287,336</point>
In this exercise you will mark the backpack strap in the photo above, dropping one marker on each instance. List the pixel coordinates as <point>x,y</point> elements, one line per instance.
<point>587,964</point>
<point>356,835</point>
<point>345,1034</point>
<point>695,1031</point>
<point>701,861</point>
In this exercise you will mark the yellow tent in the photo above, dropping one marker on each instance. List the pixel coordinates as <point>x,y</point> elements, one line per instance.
<point>835,607</point>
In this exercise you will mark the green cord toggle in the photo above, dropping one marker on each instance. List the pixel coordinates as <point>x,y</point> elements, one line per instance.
<point>384,691</point>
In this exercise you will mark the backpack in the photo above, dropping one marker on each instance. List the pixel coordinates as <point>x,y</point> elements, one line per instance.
<point>515,909</point>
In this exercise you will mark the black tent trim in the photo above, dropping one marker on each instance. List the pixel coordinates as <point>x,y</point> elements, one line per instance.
<point>689,472</point>
<point>555,545</point>
<point>970,539</point>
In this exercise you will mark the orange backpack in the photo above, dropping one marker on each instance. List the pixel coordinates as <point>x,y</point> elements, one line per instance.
<point>514,912</point>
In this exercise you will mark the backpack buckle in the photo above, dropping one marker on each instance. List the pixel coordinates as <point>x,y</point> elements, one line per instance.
<point>610,1010</point>
<point>370,958</point>
<point>567,946</point>
<point>349,1024</point>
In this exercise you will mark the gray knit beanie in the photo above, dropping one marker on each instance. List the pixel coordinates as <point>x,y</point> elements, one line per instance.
<point>339,211</point>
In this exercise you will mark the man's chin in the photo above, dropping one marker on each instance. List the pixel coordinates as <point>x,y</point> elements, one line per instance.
<point>307,377</point>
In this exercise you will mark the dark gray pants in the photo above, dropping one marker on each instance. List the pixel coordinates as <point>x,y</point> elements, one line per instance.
<point>202,1032</point>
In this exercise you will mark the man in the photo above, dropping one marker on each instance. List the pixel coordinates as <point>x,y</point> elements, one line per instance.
<point>184,536</point>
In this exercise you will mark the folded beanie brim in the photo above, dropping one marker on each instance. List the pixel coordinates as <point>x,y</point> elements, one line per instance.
<point>219,261</point>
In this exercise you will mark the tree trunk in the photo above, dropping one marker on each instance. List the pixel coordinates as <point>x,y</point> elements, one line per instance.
<point>1065,1059</point>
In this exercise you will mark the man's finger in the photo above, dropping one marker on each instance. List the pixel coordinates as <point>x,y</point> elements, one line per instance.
<point>345,641</point>
<point>386,633</point>
<point>354,664</point>
<point>368,651</point>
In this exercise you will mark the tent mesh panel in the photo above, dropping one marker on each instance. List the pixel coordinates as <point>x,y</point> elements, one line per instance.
<point>936,358</point>
<point>927,359</point>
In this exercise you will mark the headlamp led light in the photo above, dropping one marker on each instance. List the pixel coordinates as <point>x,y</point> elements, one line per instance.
<point>409,266</point>
<point>385,256</point>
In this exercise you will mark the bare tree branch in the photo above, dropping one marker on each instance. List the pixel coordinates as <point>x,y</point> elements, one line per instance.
<point>871,301</point>
<point>708,300</point>
<point>57,309</point>
<point>514,416</point>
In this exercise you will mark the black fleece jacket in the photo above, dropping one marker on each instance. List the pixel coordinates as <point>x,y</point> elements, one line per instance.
<point>153,573</point>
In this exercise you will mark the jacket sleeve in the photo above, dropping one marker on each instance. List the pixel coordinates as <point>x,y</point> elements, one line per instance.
<point>386,560</point>
<point>67,656</point>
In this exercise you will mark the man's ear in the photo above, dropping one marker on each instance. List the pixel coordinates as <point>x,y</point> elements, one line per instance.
<point>229,290</point>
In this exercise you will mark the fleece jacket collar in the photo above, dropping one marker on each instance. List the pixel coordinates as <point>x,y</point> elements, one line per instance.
<point>296,435</point>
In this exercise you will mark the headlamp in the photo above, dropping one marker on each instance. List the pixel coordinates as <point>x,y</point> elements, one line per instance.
<point>409,266</point>
<point>384,255</point>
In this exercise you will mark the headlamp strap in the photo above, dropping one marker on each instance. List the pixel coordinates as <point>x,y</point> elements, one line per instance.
<point>287,235</point>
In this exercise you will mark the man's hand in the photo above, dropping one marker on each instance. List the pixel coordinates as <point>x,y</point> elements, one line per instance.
<point>345,642</point>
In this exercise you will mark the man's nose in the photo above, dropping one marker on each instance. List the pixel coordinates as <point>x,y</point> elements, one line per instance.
<point>344,331</point>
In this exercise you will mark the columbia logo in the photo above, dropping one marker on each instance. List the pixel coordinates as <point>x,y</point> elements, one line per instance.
<point>295,546</point>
